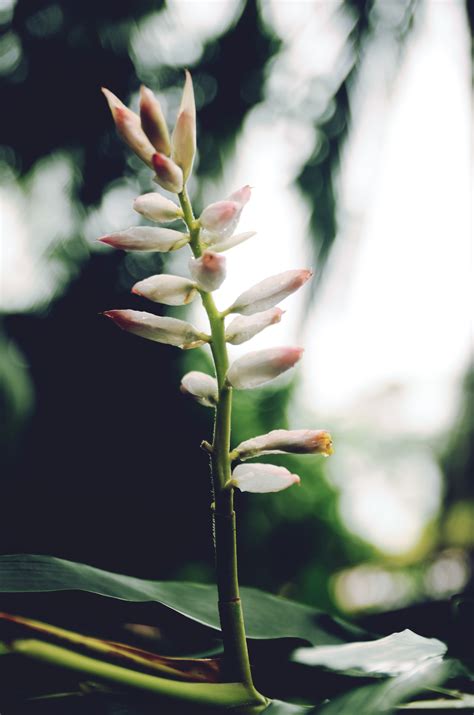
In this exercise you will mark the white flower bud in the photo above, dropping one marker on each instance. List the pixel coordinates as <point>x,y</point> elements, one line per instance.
<point>168,174</point>
<point>229,242</point>
<point>245,327</point>
<point>221,218</point>
<point>242,196</point>
<point>298,441</point>
<point>171,290</point>
<point>153,121</point>
<point>184,135</point>
<point>156,208</point>
<point>202,387</point>
<point>262,478</point>
<point>208,271</point>
<point>129,127</point>
<point>146,238</point>
<point>170,331</point>
<point>261,366</point>
<point>269,292</point>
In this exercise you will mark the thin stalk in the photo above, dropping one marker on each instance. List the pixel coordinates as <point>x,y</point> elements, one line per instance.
<point>230,606</point>
<point>208,694</point>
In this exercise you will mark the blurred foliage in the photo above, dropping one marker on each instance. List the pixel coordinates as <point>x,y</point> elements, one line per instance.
<point>96,467</point>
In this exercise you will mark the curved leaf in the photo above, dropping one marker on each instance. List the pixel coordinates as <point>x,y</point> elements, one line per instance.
<point>392,655</point>
<point>266,616</point>
<point>382,698</point>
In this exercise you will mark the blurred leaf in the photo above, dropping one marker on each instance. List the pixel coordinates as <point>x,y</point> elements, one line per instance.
<point>266,616</point>
<point>462,702</point>
<point>384,697</point>
<point>392,655</point>
<point>277,707</point>
<point>189,669</point>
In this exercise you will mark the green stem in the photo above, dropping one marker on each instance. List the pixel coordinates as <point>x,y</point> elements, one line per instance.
<point>230,606</point>
<point>209,694</point>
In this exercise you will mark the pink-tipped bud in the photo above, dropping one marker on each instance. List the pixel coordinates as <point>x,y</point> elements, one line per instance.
<point>202,387</point>
<point>170,331</point>
<point>269,292</point>
<point>168,174</point>
<point>129,127</point>
<point>221,218</point>
<point>262,478</point>
<point>242,195</point>
<point>171,290</point>
<point>156,208</point>
<point>146,238</point>
<point>229,242</point>
<point>183,141</point>
<point>244,327</point>
<point>208,271</point>
<point>298,441</point>
<point>261,366</point>
<point>153,121</point>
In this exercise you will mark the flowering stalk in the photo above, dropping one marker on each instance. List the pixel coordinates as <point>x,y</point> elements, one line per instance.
<point>230,607</point>
<point>208,236</point>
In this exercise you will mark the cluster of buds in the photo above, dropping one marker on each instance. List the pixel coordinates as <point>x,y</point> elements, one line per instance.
<point>213,233</point>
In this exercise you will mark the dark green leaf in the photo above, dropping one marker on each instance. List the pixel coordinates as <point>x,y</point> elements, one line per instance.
<point>266,616</point>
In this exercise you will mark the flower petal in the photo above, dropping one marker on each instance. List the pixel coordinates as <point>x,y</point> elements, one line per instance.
<point>208,271</point>
<point>257,368</point>
<point>153,121</point>
<point>146,238</point>
<point>156,207</point>
<point>167,289</point>
<point>244,327</point>
<point>170,331</point>
<point>168,174</point>
<point>202,387</point>
<point>262,478</point>
<point>129,127</point>
<point>269,292</point>
<point>299,441</point>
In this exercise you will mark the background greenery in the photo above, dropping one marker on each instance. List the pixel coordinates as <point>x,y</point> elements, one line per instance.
<point>98,446</point>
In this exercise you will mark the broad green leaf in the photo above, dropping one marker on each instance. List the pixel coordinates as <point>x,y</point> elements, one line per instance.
<point>190,669</point>
<point>395,654</point>
<point>463,702</point>
<point>266,616</point>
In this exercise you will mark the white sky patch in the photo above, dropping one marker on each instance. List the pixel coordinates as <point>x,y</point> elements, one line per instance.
<point>402,314</point>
